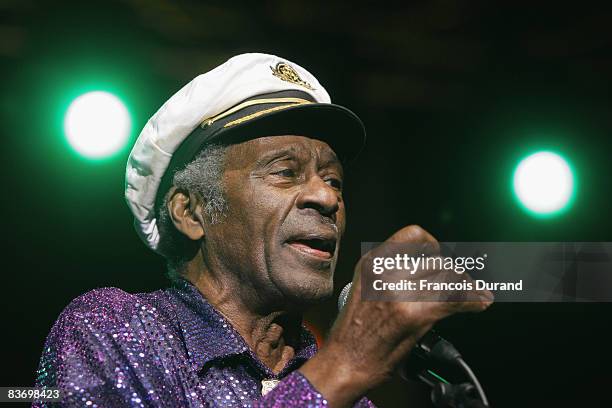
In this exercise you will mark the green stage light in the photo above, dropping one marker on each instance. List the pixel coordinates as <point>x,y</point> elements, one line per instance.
<point>97,124</point>
<point>544,184</point>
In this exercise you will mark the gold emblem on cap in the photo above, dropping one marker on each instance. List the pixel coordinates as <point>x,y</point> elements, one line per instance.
<point>287,73</point>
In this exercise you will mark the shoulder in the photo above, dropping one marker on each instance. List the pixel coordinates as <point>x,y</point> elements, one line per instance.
<point>102,298</point>
<point>103,304</point>
<point>110,343</point>
<point>112,308</point>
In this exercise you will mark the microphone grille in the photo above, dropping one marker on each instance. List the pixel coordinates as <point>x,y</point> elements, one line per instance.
<point>344,295</point>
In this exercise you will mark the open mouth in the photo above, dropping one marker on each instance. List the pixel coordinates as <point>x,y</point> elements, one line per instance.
<point>319,247</point>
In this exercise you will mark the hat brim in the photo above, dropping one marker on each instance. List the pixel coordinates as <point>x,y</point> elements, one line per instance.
<point>334,124</point>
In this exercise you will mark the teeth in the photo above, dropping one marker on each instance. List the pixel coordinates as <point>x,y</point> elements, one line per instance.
<point>319,244</point>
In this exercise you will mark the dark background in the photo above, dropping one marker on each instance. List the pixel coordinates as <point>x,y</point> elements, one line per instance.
<point>452,93</point>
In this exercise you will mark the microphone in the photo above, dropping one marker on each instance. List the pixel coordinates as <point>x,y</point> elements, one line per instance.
<point>431,347</point>
<point>344,295</point>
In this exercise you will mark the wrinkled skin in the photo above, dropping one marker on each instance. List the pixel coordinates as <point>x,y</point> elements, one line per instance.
<point>260,267</point>
<point>253,266</point>
<point>281,189</point>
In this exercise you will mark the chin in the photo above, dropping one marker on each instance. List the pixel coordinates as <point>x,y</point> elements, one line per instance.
<point>303,279</point>
<point>309,290</point>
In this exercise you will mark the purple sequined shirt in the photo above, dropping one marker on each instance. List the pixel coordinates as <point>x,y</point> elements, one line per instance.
<point>168,348</point>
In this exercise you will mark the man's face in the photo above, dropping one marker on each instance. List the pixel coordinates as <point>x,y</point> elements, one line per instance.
<point>285,219</point>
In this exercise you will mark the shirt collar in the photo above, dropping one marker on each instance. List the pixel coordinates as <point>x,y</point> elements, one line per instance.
<point>209,336</point>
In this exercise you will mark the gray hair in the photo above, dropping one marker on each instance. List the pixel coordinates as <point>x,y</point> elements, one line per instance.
<point>202,177</point>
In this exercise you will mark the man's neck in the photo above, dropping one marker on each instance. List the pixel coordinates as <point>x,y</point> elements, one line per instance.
<point>272,335</point>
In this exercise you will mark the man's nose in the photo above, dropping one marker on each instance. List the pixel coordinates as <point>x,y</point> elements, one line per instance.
<point>319,195</point>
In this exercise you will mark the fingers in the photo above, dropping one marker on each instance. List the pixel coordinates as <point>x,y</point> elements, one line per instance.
<point>467,307</point>
<point>416,235</point>
<point>436,291</point>
<point>479,302</point>
<point>411,238</point>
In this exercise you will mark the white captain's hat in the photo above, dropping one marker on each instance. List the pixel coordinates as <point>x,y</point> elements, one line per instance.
<point>249,96</point>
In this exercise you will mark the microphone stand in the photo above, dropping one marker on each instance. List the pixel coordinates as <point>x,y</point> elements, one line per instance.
<point>444,394</point>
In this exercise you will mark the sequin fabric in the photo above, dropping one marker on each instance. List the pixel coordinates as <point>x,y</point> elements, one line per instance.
<point>168,348</point>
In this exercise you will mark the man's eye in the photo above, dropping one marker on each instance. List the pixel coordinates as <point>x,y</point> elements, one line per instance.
<point>285,173</point>
<point>334,183</point>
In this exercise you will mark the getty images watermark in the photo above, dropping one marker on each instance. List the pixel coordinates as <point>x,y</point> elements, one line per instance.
<point>513,271</point>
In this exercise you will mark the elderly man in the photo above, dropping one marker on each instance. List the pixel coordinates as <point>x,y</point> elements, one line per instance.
<point>237,182</point>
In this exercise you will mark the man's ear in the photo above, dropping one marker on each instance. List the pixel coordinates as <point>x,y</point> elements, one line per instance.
<point>186,213</point>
